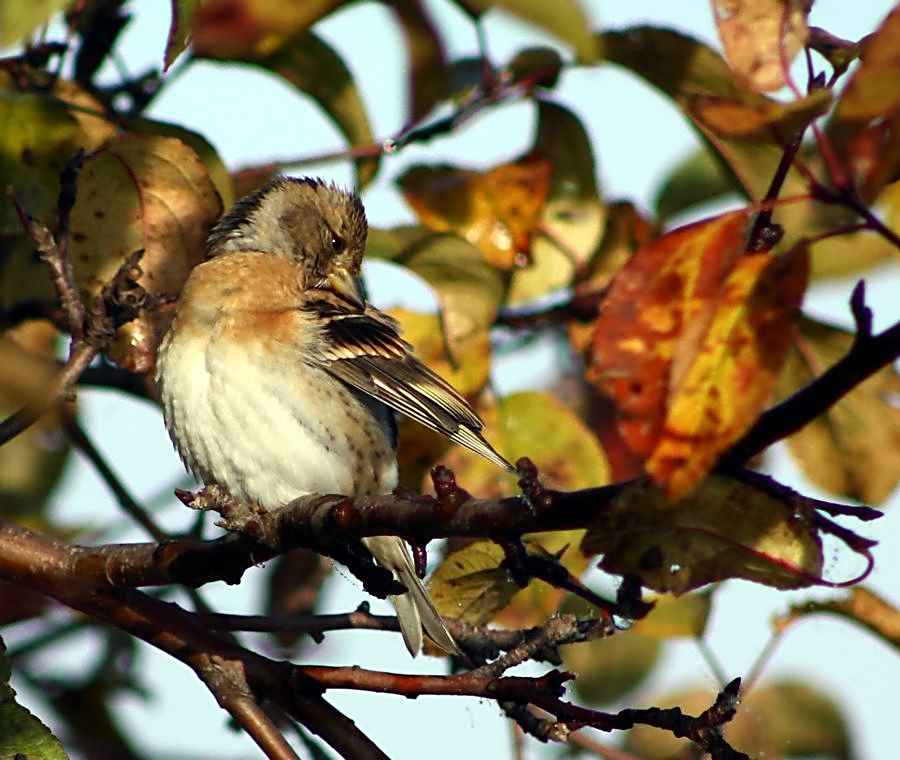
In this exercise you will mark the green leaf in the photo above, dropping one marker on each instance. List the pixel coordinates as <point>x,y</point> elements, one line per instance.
<point>607,669</point>
<point>18,18</point>
<point>427,63</point>
<point>471,585</point>
<point>313,67</point>
<point>468,288</point>
<point>698,178</point>
<point>676,616</point>
<point>652,53</point>
<point>572,218</point>
<point>564,19</point>
<point>21,733</point>
<point>183,12</point>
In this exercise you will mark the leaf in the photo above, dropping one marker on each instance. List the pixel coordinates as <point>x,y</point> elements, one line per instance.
<point>497,211</point>
<point>761,38</point>
<point>650,52</point>
<point>789,719</point>
<point>568,457</point>
<point>469,290</point>
<point>32,462</point>
<point>689,342</point>
<point>21,733</point>
<point>723,529</point>
<point>730,118</point>
<point>293,588</point>
<point>696,179</point>
<point>564,19</point>
<point>673,617</point>
<point>609,668</point>
<point>866,124</point>
<point>861,606</point>
<point>853,449</point>
<point>872,91</point>
<point>183,12</point>
<point>571,220</point>
<point>470,584</point>
<point>308,63</point>
<point>19,18</point>
<point>427,60</point>
<point>143,192</point>
<point>252,29</point>
<point>733,367</point>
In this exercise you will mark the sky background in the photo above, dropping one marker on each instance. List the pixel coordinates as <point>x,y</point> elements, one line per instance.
<point>638,138</point>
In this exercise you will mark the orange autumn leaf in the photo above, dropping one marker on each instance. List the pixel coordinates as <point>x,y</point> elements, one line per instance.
<point>642,319</point>
<point>689,343</point>
<point>732,370</point>
<point>498,211</point>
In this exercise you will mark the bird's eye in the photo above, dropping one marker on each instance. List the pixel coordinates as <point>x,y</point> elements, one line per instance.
<point>337,243</point>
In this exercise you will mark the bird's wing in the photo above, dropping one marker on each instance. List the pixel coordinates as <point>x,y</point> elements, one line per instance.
<point>367,352</point>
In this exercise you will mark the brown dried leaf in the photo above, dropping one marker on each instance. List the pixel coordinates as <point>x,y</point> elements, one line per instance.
<point>761,38</point>
<point>143,192</point>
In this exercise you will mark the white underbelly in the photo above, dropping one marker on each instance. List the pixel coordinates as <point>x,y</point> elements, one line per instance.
<point>265,436</point>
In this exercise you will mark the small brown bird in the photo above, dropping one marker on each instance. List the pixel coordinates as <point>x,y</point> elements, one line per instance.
<point>278,380</point>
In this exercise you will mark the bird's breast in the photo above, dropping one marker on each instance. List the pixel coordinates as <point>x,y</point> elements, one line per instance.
<point>247,412</point>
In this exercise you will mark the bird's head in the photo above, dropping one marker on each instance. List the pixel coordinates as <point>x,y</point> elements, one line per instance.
<point>314,224</point>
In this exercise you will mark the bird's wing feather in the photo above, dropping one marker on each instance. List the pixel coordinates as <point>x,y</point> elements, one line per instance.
<point>367,352</point>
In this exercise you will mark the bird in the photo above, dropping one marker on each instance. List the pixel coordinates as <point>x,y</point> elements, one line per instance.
<point>277,378</point>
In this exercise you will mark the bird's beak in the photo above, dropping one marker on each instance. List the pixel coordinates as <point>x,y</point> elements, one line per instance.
<point>346,287</point>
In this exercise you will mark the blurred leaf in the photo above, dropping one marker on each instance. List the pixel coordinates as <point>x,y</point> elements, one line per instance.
<point>650,743</point>
<point>723,529</point>
<point>690,340</point>
<point>727,117</point>
<point>252,29</point>
<point>427,64</point>
<point>32,462</point>
<point>761,38</point>
<point>673,617</point>
<point>313,67</point>
<point>21,733</point>
<point>293,587</point>
<point>572,217</point>
<point>853,449</point>
<point>789,719</point>
<point>497,211</point>
<point>392,243</point>
<point>19,18</point>
<point>609,668</point>
<point>861,606</point>
<point>143,192</point>
<point>872,92</point>
<point>564,19</point>
<point>536,66</point>
<point>471,585</point>
<point>650,52</point>
<point>469,289</point>
<point>696,179</point>
<point>183,12</point>
<point>866,124</point>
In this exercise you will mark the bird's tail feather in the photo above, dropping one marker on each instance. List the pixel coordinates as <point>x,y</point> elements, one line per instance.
<point>415,610</point>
